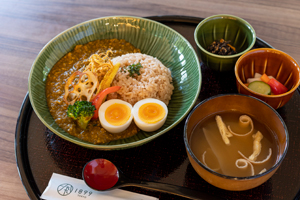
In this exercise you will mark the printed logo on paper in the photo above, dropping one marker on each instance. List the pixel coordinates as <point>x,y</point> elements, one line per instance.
<point>64,189</point>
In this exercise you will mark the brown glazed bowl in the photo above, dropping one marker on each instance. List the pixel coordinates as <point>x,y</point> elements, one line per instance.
<point>252,107</point>
<point>274,63</point>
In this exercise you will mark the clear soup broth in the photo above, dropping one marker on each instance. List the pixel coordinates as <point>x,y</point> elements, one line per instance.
<point>210,148</point>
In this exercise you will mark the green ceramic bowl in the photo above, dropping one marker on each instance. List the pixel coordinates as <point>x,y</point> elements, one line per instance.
<point>227,27</point>
<point>152,38</point>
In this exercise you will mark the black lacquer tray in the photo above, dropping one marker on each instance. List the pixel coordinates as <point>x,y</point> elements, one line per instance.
<point>39,152</point>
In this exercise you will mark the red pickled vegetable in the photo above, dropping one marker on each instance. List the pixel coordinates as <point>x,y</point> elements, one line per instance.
<point>277,87</point>
<point>98,99</point>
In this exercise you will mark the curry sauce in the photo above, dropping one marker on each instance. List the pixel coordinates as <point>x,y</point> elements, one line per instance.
<point>77,60</point>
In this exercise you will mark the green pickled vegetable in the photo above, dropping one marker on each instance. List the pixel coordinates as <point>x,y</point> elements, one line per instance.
<point>260,87</point>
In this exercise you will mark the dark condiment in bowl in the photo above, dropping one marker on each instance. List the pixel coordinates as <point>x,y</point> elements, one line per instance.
<point>221,47</point>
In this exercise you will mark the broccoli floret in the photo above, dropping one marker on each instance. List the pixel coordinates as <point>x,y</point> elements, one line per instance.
<point>82,112</point>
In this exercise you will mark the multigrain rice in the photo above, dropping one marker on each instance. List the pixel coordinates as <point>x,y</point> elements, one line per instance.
<point>154,81</point>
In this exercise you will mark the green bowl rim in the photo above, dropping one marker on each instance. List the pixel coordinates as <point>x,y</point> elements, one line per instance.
<point>227,16</point>
<point>118,146</point>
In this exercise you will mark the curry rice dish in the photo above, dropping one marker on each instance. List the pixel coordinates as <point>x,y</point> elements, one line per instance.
<point>79,59</point>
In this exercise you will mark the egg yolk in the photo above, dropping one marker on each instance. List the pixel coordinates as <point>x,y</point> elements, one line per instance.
<point>117,114</point>
<point>151,113</point>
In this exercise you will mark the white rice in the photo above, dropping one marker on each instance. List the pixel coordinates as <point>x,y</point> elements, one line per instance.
<point>154,81</point>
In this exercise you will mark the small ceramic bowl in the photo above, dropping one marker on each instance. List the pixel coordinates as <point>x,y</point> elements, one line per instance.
<point>274,63</point>
<point>248,105</point>
<point>227,27</point>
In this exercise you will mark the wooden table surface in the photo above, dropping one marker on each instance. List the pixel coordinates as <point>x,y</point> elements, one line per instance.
<point>26,26</point>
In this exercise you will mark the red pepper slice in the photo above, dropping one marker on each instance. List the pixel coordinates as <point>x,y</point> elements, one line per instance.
<point>98,99</point>
<point>277,87</point>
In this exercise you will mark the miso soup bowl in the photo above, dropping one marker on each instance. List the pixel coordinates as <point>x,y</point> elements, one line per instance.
<point>274,63</point>
<point>251,106</point>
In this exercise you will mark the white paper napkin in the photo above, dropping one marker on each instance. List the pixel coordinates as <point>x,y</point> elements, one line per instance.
<point>62,187</point>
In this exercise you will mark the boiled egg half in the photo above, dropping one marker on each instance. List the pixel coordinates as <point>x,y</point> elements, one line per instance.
<point>149,114</point>
<point>115,115</point>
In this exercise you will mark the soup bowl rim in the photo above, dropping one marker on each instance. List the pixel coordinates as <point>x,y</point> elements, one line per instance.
<point>190,152</point>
